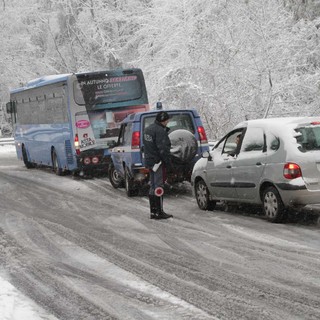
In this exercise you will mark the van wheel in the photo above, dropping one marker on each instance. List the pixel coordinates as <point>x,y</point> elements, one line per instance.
<point>202,195</point>
<point>115,179</point>
<point>26,162</point>
<point>273,206</point>
<point>130,190</point>
<point>55,164</point>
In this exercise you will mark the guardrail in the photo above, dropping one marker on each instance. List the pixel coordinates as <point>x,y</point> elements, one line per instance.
<point>4,141</point>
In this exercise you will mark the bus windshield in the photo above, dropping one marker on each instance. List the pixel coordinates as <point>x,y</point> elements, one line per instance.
<point>103,88</point>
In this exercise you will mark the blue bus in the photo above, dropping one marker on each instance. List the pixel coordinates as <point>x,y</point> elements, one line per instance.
<point>69,121</point>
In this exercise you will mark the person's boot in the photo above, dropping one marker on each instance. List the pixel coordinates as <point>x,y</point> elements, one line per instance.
<point>164,213</point>
<point>153,206</point>
<point>160,214</point>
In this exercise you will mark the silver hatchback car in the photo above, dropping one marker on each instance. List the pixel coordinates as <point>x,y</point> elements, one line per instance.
<point>273,162</point>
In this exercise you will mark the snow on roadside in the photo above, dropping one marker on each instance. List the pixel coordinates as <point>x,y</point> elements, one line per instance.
<point>15,306</point>
<point>7,148</point>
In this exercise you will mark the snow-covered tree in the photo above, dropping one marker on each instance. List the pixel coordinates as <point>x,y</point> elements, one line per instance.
<point>231,60</point>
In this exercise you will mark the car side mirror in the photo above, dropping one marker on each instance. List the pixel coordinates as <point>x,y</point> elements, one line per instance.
<point>112,144</point>
<point>206,154</point>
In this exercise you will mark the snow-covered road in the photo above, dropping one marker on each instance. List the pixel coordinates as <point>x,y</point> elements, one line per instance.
<point>83,250</point>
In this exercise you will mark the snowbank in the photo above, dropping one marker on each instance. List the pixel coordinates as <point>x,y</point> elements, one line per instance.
<point>15,306</point>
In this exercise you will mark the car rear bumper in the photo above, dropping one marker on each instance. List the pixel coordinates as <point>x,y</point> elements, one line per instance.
<point>295,195</point>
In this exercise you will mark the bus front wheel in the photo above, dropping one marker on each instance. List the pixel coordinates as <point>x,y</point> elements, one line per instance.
<point>55,164</point>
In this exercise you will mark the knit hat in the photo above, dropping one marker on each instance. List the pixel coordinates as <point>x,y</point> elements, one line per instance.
<point>162,116</point>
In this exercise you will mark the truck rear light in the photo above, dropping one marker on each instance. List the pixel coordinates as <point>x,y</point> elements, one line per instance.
<point>95,160</point>
<point>202,134</point>
<point>86,160</point>
<point>291,171</point>
<point>135,141</point>
<point>76,144</point>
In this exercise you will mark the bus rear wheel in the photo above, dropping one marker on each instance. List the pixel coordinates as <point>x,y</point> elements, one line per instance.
<point>55,164</point>
<point>27,163</point>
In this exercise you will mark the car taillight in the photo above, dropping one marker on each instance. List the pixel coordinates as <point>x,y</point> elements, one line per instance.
<point>76,144</point>
<point>292,171</point>
<point>202,134</point>
<point>135,141</point>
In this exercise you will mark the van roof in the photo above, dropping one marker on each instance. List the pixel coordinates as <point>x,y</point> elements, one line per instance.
<point>134,117</point>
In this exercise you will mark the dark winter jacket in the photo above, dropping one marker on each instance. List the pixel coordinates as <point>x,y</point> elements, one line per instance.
<point>156,145</point>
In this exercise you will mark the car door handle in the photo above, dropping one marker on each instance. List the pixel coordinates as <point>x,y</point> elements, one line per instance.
<point>229,166</point>
<point>258,164</point>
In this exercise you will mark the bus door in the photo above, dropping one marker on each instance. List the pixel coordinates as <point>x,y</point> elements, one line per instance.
<point>84,132</point>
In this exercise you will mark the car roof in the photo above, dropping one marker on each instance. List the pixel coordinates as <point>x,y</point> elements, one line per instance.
<point>292,122</point>
<point>133,117</point>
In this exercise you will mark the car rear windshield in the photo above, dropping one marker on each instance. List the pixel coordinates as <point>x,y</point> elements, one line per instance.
<point>308,138</point>
<point>177,121</point>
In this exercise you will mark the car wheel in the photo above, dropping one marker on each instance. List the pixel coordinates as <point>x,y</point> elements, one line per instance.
<point>26,162</point>
<point>273,206</point>
<point>202,196</point>
<point>55,164</point>
<point>115,179</point>
<point>130,190</point>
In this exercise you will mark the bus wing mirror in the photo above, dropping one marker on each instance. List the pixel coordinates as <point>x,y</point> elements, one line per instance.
<point>11,107</point>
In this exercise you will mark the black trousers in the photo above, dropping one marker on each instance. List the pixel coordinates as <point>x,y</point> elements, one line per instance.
<point>157,179</point>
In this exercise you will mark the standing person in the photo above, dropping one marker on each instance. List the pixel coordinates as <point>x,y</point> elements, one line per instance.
<point>158,159</point>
